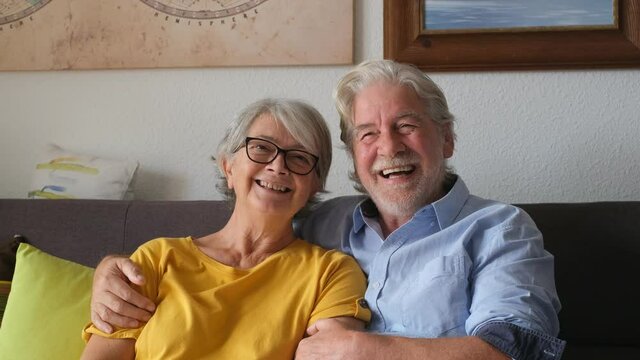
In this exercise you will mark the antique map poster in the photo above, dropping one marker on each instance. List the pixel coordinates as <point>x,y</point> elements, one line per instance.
<point>112,34</point>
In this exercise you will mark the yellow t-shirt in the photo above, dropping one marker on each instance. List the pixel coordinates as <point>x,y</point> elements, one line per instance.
<point>208,310</point>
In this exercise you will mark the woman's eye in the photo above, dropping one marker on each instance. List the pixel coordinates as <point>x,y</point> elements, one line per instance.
<point>260,148</point>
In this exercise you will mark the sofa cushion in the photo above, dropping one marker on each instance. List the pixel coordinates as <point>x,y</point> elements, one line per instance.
<point>47,307</point>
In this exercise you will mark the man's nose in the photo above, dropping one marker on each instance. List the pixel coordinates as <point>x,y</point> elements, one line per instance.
<point>390,144</point>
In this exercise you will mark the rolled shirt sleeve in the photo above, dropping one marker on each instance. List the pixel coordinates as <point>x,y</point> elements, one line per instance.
<point>514,301</point>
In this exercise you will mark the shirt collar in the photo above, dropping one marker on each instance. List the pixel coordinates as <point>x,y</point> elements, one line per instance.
<point>449,206</point>
<point>366,208</point>
<point>446,208</point>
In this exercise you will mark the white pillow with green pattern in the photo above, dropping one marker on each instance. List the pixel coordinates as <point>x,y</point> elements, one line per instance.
<point>62,174</point>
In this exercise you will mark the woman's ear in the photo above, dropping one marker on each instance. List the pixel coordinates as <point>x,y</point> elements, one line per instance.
<point>227,170</point>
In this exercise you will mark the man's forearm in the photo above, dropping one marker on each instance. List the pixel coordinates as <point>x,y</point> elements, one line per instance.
<point>395,347</point>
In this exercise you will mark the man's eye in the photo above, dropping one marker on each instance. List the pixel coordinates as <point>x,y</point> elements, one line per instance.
<point>366,135</point>
<point>301,159</point>
<point>406,128</point>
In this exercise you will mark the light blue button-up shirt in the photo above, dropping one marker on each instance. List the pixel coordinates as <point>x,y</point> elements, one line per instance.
<point>461,266</point>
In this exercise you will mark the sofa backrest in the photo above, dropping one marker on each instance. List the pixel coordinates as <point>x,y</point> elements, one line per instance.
<point>596,248</point>
<point>79,230</point>
<point>85,231</point>
<point>597,263</point>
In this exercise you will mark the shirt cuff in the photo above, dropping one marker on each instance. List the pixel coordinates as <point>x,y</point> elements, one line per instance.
<point>521,343</point>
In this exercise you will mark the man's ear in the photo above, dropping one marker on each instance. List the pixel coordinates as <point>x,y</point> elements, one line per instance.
<point>448,141</point>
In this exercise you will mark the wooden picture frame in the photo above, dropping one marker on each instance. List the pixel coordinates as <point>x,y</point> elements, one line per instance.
<point>555,48</point>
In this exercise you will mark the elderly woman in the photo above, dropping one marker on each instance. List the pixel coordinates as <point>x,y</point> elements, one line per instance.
<point>250,290</point>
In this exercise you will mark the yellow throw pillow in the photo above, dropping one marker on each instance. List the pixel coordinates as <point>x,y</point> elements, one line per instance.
<point>47,308</point>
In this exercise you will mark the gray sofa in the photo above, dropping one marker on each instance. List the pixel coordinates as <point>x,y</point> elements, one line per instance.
<point>596,248</point>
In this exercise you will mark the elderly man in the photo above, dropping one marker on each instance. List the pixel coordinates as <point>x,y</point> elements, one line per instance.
<point>450,275</point>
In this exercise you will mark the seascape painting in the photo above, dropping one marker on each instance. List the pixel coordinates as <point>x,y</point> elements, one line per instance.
<point>466,15</point>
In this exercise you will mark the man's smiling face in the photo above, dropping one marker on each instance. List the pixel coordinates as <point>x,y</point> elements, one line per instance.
<point>399,152</point>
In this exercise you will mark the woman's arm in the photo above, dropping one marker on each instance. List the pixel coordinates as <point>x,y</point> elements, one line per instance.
<point>99,348</point>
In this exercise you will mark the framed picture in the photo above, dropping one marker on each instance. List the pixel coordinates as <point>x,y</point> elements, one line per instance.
<point>127,34</point>
<point>451,35</point>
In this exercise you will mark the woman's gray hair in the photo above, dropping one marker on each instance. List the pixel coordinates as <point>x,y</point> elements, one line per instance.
<point>305,124</point>
<point>387,71</point>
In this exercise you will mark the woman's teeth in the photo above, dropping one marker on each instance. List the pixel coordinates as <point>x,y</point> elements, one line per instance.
<point>272,186</point>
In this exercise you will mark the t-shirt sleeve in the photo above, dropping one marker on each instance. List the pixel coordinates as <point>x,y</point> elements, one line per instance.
<point>342,291</point>
<point>147,257</point>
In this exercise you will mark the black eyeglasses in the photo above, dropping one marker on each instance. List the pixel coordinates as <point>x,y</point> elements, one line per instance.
<point>264,152</point>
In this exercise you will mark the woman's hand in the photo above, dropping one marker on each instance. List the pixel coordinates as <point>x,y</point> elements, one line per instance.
<point>113,301</point>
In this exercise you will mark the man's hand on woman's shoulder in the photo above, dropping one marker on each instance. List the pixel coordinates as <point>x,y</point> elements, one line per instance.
<point>113,301</point>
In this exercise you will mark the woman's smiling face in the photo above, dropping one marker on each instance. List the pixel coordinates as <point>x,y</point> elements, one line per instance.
<point>271,188</point>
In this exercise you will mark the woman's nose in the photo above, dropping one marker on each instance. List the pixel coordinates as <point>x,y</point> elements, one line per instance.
<point>278,164</point>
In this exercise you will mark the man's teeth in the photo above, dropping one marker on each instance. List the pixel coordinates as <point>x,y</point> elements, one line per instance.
<point>401,169</point>
<point>271,186</point>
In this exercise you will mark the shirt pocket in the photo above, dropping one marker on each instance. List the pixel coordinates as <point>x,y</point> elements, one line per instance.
<point>436,301</point>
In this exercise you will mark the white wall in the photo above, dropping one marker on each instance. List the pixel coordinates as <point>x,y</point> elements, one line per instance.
<point>522,136</point>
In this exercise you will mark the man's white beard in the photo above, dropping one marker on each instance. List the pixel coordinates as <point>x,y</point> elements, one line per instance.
<point>404,200</point>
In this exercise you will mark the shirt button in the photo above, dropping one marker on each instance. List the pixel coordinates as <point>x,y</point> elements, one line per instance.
<point>376,285</point>
<point>363,303</point>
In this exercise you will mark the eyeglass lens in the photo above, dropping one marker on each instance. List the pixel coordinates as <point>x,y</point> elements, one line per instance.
<point>264,152</point>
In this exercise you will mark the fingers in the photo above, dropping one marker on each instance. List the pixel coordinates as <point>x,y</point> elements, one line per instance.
<point>114,302</point>
<point>122,267</point>
<point>108,310</point>
<point>125,304</point>
<point>131,270</point>
<point>322,324</point>
<point>101,325</point>
<point>113,276</point>
<point>336,323</point>
<point>104,318</point>
<point>313,329</point>
<point>125,300</point>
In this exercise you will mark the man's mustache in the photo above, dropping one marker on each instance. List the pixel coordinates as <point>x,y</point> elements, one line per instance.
<point>402,159</point>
